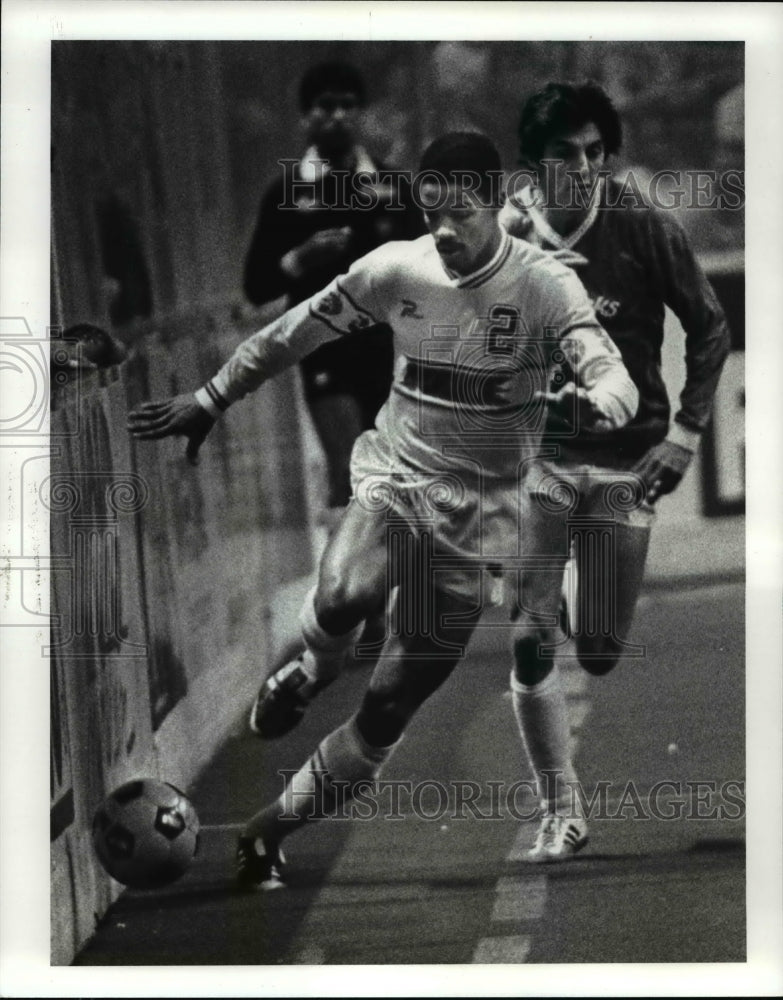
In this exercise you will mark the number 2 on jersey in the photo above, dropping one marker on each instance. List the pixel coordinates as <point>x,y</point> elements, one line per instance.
<point>502,329</point>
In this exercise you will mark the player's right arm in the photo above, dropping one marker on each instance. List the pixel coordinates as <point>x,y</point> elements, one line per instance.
<point>685,289</point>
<point>348,305</point>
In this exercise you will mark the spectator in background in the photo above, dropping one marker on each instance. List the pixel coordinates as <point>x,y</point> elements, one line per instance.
<point>307,233</point>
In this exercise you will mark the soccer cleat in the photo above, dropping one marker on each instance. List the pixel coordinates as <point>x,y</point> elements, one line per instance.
<point>558,839</point>
<point>259,871</point>
<point>282,700</point>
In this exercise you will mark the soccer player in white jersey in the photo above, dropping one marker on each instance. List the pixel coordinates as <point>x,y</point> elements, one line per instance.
<point>481,323</point>
<point>633,260</point>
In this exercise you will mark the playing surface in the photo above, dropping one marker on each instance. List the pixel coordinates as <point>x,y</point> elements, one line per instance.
<point>453,890</point>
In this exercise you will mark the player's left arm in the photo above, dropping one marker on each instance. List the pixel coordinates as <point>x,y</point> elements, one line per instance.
<point>685,289</point>
<point>602,396</point>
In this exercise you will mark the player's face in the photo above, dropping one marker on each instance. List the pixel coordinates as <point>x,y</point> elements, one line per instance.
<point>580,156</point>
<point>466,234</point>
<point>332,122</point>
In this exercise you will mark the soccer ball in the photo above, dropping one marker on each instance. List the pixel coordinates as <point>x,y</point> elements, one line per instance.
<point>145,833</point>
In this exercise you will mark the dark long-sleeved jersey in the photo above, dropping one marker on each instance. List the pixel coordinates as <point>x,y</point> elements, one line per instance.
<point>640,260</point>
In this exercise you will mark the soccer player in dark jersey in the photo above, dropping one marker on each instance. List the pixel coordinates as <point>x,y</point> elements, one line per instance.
<point>312,224</point>
<point>474,359</point>
<point>633,260</point>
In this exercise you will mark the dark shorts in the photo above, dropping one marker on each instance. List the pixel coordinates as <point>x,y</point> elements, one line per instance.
<point>359,366</point>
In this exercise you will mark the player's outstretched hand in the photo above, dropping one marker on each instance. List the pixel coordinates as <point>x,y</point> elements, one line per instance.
<point>178,415</point>
<point>662,468</point>
<point>572,409</point>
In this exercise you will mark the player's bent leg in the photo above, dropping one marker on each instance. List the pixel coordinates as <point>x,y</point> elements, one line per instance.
<point>289,688</point>
<point>286,693</point>
<point>343,763</point>
<point>542,719</point>
<point>537,693</point>
<point>353,583</point>
<point>412,667</point>
<point>538,608</point>
<point>608,596</point>
<point>354,577</point>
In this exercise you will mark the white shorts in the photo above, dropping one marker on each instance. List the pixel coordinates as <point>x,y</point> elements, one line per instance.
<point>577,489</point>
<point>471,523</point>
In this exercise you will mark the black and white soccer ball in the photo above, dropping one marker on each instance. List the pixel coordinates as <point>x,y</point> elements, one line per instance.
<point>145,833</point>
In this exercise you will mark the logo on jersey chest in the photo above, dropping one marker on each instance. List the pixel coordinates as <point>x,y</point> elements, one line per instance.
<point>410,308</point>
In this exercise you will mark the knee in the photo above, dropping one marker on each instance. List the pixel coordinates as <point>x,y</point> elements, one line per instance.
<point>598,657</point>
<point>394,697</point>
<point>382,718</point>
<point>534,655</point>
<point>345,598</point>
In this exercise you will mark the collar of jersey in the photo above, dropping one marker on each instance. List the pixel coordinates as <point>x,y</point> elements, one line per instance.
<point>546,232</point>
<point>489,270</point>
<point>313,167</point>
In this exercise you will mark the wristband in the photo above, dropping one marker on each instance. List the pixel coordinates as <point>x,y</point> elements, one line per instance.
<point>684,436</point>
<point>213,402</point>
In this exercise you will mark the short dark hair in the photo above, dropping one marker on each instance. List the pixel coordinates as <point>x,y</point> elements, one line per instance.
<point>563,107</point>
<point>457,153</point>
<point>336,76</point>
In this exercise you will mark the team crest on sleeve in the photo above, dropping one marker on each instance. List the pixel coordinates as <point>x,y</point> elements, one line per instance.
<point>604,339</point>
<point>341,313</point>
<point>574,351</point>
<point>330,305</point>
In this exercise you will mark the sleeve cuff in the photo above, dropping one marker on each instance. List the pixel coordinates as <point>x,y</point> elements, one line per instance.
<point>213,401</point>
<point>684,436</point>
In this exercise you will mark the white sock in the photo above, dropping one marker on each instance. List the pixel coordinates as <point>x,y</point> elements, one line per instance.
<point>342,760</point>
<point>542,717</point>
<point>325,653</point>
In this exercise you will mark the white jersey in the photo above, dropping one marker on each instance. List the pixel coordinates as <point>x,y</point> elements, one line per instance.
<point>471,351</point>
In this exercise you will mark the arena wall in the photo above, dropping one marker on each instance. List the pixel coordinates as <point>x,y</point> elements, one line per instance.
<point>164,585</point>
